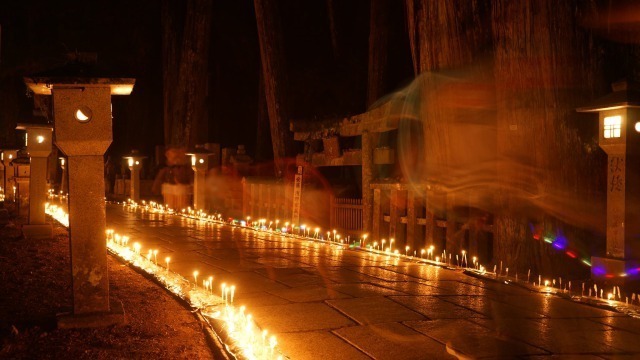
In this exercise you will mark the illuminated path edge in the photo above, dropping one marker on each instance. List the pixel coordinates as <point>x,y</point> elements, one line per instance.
<point>233,327</point>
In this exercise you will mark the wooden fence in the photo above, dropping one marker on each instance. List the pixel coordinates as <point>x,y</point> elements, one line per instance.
<point>346,214</point>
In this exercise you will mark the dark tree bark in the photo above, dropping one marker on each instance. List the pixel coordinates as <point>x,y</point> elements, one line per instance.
<point>446,34</point>
<point>264,151</point>
<point>378,49</point>
<point>272,57</point>
<point>333,28</point>
<point>185,73</point>
<point>455,132</point>
<point>545,67</point>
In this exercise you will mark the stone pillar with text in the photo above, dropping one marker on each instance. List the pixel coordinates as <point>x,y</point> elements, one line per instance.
<point>619,137</point>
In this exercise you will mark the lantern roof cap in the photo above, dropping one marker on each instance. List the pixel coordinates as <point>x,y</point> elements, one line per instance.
<point>83,70</point>
<point>36,121</point>
<point>625,95</point>
<point>134,154</point>
<point>198,150</point>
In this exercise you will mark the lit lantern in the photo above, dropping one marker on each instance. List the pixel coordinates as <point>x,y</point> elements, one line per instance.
<point>134,161</point>
<point>200,161</point>
<point>619,137</point>
<point>63,181</point>
<point>39,147</point>
<point>8,181</point>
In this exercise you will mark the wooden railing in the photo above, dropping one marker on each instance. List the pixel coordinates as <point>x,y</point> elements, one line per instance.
<point>346,214</point>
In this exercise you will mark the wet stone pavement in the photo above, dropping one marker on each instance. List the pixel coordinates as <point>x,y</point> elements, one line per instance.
<point>327,303</point>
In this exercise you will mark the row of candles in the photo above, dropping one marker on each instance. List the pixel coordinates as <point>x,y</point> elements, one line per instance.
<point>246,338</point>
<point>334,237</point>
<point>426,254</point>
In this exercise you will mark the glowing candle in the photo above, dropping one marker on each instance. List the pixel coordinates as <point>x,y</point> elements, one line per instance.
<point>195,277</point>
<point>211,285</point>
<point>155,257</point>
<point>223,287</point>
<point>167,260</point>
<point>272,343</point>
<point>406,250</point>
<point>233,291</point>
<point>422,253</point>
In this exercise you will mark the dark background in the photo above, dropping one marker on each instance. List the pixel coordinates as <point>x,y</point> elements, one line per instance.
<point>126,35</point>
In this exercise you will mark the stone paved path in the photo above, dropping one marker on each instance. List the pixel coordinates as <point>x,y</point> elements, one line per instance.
<point>325,303</point>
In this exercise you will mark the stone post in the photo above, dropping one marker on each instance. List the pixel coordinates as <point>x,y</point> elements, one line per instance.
<point>39,147</point>
<point>83,126</point>
<point>64,187</point>
<point>367,178</point>
<point>200,158</point>
<point>619,137</point>
<point>9,181</point>
<point>134,162</point>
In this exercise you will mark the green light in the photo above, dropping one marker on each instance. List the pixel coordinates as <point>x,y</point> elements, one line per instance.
<point>586,262</point>
<point>548,240</point>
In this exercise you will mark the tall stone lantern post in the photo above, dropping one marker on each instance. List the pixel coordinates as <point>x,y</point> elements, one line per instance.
<point>8,155</point>
<point>38,142</point>
<point>200,158</point>
<point>619,137</point>
<point>63,181</point>
<point>83,126</point>
<point>134,162</point>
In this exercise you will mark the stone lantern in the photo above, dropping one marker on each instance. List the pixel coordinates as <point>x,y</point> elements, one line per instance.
<point>83,126</point>
<point>134,162</point>
<point>200,161</point>
<point>9,187</point>
<point>619,137</point>
<point>63,181</point>
<point>38,142</point>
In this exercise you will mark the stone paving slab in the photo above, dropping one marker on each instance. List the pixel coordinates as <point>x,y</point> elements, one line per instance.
<point>623,323</point>
<point>299,317</point>
<point>259,298</point>
<point>312,293</point>
<point>435,308</point>
<point>319,345</point>
<point>393,341</point>
<point>373,310</point>
<point>554,340</point>
<point>555,307</point>
<point>490,307</point>
<point>364,290</point>
<point>474,341</point>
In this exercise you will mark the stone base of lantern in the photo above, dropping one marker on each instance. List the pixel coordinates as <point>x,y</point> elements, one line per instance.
<point>615,271</point>
<point>93,320</point>
<point>37,231</point>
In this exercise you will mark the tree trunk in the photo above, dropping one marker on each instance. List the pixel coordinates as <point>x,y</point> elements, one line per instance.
<point>264,150</point>
<point>272,57</point>
<point>333,28</point>
<point>544,69</point>
<point>185,74</point>
<point>448,35</point>
<point>378,49</point>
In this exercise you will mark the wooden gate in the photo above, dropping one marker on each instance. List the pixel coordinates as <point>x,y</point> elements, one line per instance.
<point>346,214</point>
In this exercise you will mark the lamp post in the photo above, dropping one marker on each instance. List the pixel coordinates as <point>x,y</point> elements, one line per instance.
<point>134,162</point>
<point>619,137</point>
<point>200,158</point>
<point>38,142</point>
<point>63,182</point>
<point>83,126</point>
<point>8,155</point>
